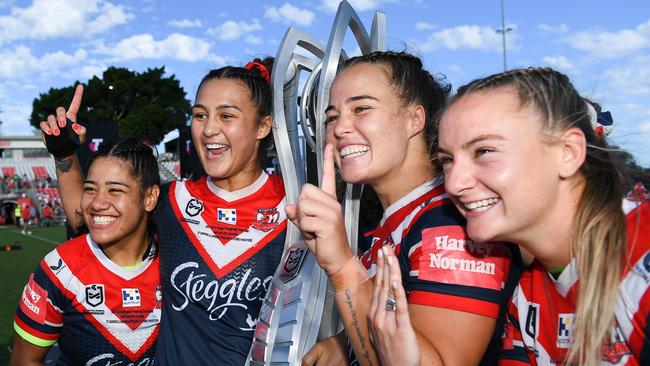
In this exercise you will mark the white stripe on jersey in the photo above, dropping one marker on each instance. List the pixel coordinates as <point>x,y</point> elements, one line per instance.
<point>413,248</point>
<point>127,274</point>
<point>229,196</point>
<point>568,278</point>
<point>133,339</point>
<point>632,288</point>
<point>222,254</point>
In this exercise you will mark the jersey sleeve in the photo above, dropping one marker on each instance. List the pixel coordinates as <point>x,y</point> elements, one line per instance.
<point>442,267</point>
<point>513,351</point>
<point>39,318</point>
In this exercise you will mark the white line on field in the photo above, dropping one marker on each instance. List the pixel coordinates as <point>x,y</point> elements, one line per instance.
<point>39,238</point>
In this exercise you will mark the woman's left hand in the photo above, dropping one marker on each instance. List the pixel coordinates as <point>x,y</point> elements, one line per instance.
<point>391,330</point>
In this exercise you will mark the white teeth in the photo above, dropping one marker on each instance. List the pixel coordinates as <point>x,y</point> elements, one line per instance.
<point>215,146</point>
<point>482,205</point>
<point>103,220</point>
<point>352,151</point>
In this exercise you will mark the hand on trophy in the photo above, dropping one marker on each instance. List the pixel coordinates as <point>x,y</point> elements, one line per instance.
<point>56,129</point>
<point>390,326</point>
<point>319,216</point>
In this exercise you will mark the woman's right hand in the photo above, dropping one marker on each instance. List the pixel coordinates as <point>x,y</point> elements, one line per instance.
<point>319,216</point>
<point>54,123</point>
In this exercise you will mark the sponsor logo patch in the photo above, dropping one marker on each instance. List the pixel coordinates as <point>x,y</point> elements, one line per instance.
<point>94,295</point>
<point>58,266</point>
<point>449,256</point>
<point>643,268</point>
<point>130,297</point>
<point>227,215</point>
<point>33,301</point>
<point>564,329</point>
<point>267,219</point>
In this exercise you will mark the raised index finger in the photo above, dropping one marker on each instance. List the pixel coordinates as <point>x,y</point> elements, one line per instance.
<point>328,184</point>
<point>75,103</point>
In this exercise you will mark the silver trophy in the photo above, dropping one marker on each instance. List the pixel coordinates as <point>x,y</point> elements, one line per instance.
<point>298,309</point>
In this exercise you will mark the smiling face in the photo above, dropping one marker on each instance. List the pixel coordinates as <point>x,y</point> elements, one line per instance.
<point>503,176</point>
<point>113,205</point>
<point>227,132</point>
<point>368,125</point>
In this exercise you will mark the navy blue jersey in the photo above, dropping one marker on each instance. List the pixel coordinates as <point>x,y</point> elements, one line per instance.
<point>218,253</point>
<point>99,312</point>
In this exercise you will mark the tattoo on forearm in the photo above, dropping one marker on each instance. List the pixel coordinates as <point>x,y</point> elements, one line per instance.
<point>357,327</point>
<point>64,165</point>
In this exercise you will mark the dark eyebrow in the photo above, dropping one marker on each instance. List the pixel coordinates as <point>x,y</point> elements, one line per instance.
<point>473,141</point>
<point>353,99</point>
<point>221,106</point>
<point>107,182</point>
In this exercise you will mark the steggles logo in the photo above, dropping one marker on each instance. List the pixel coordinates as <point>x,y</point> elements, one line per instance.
<point>220,296</point>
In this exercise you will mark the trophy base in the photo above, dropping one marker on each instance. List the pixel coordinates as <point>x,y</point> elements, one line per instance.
<point>291,313</point>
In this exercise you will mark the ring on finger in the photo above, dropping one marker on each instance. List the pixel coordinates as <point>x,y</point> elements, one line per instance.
<point>391,304</point>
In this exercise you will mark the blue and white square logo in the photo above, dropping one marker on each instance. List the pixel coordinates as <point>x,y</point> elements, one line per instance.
<point>565,330</point>
<point>227,215</point>
<point>130,297</point>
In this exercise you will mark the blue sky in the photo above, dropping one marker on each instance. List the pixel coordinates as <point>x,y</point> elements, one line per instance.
<point>604,46</point>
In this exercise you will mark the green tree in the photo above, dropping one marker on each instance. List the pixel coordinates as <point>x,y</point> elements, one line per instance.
<point>146,105</point>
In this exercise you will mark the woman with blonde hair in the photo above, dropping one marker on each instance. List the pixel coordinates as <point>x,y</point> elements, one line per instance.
<point>526,160</point>
<point>380,131</point>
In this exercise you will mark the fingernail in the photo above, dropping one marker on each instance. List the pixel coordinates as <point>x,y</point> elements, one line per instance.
<point>56,132</point>
<point>48,132</point>
<point>380,253</point>
<point>75,126</point>
<point>389,258</point>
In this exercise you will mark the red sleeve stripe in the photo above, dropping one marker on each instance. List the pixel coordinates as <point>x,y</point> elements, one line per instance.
<point>34,332</point>
<point>459,303</point>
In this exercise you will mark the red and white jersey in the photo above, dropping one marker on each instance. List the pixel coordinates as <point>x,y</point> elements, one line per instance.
<point>440,265</point>
<point>99,312</point>
<point>542,309</point>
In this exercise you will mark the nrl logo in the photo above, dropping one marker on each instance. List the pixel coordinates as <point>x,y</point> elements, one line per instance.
<point>194,207</point>
<point>292,264</point>
<point>95,295</point>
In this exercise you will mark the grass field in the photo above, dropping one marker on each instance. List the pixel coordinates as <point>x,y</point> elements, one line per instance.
<point>15,267</point>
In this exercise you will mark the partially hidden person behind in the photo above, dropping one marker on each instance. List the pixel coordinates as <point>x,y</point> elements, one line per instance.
<point>221,235</point>
<point>98,295</point>
<point>380,132</point>
<point>526,160</point>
